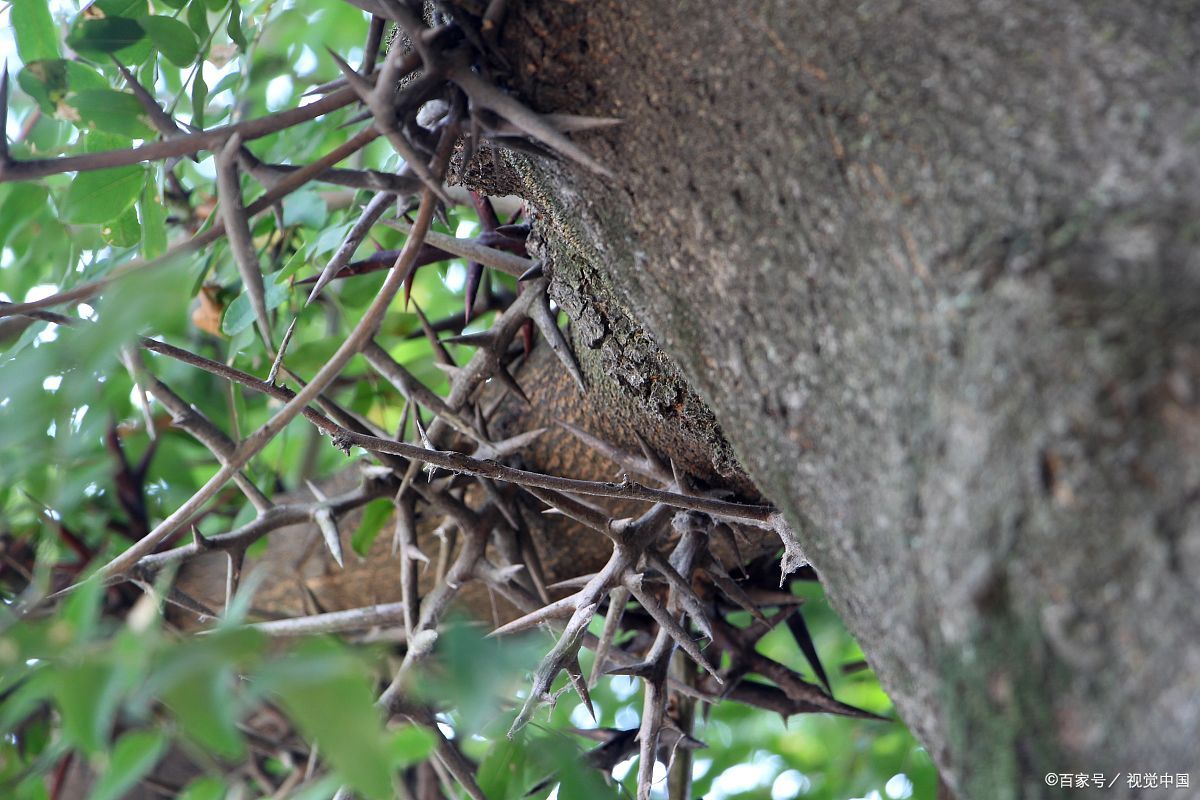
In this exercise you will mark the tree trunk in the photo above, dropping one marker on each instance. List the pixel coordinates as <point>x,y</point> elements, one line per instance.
<point>933,267</point>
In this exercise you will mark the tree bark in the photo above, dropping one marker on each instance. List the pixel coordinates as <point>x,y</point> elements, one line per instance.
<point>934,269</point>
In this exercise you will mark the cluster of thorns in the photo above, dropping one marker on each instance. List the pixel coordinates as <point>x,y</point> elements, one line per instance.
<point>430,93</point>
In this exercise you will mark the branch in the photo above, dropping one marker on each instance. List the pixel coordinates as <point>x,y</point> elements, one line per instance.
<point>285,187</point>
<point>180,146</point>
<point>260,438</point>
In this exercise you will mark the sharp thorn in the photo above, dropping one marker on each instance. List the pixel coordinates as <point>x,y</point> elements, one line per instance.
<point>536,271</point>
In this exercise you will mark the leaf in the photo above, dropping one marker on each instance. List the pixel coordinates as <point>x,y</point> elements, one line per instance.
<point>22,202</point>
<point>87,696</point>
<point>305,208</point>
<point>327,694</point>
<point>207,788</point>
<point>199,99</point>
<point>134,755</point>
<point>197,19</point>
<point>132,9</point>
<point>240,315</point>
<point>204,706</point>
<point>234,27</point>
<point>82,608</point>
<point>104,36</point>
<point>504,773</point>
<point>374,515</point>
<point>124,231</point>
<point>410,745</point>
<point>172,38</point>
<point>37,35</point>
<point>97,197</point>
<point>153,216</point>
<point>50,81</point>
<point>108,110</point>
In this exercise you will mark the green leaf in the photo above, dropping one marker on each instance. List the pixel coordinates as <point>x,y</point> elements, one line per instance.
<point>104,36</point>
<point>410,745</point>
<point>87,695</point>
<point>327,694</point>
<point>133,9</point>
<point>22,202</point>
<point>50,81</point>
<point>203,789</point>
<point>240,315</point>
<point>204,706</point>
<point>374,515</point>
<point>115,112</point>
<point>504,773</point>
<point>197,19</point>
<point>134,755</point>
<point>82,608</point>
<point>37,35</point>
<point>305,208</point>
<point>124,231</point>
<point>234,27</point>
<point>153,215</point>
<point>172,38</point>
<point>97,197</point>
<point>199,99</point>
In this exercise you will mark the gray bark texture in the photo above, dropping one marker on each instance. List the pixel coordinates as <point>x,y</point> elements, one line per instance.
<point>934,269</point>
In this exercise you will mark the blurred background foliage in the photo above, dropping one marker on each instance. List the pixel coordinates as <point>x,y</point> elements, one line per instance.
<point>102,679</point>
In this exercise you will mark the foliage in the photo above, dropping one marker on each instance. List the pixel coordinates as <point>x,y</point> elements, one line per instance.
<point>89,464</point>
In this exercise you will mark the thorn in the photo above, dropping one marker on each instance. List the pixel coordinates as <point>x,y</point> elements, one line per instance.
<point>575,675</point>
<point>717,574</point>
<point>577,582</point>
<point>483,339</point>
<point>728,536</point>
<point>200,540</point>
<point>520,232</point>
<point>370,215</point>
<point>287,337</point>
<point>567,648</point>
<point>688,598</point>
<point>643,670</point>
<point>534,125</point>
<point>441,354</point>
<point>666,621</point>
<point>546,322</point>
<point>527,336</point>
<point>357,82</point>
<point>559,609</point>
<point>495,451</point>
<point>617,598</point>
<point>536,271</point>
<point>649,468</point>
<point>506,378</point>
<point>323,516</point>
<point>485,210</point>
<point>474,273</point>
